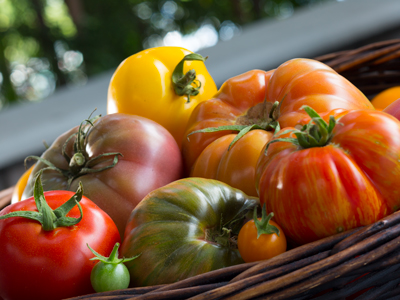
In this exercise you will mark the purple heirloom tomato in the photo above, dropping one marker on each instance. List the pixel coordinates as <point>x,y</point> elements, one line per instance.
<point>119,159</point>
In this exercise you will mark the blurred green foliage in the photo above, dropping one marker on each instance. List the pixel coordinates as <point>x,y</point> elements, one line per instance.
<point>45,44</point>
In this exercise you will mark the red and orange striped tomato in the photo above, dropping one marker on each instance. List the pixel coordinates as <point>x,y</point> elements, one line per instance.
<point>248,99</point>
<point>350,180</point>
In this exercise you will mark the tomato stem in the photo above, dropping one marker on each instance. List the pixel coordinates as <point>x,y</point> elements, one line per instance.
<point>317,133</point>
<point>113,258</point>
<point>50,219</point>
<point>264,124</point>
<point>226,233</point>
<point>186,84</point>
<point>80,163</point>
<point>263,226</point>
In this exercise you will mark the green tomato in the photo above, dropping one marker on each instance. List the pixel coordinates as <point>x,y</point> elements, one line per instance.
<point>110,273</point>
<point>183,229</point>
<point>109,277</point>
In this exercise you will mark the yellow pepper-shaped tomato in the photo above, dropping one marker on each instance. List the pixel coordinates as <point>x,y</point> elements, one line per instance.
<point>163,84</point>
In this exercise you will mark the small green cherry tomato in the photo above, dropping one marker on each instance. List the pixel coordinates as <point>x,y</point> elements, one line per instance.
<point>110,273</point>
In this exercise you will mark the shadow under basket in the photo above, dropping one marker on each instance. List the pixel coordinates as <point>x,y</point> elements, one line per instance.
<point>363,263</point>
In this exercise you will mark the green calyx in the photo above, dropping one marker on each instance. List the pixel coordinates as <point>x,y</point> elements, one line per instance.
<point>80,163</point>
<point>267,123</point>
<point>187,84</point>
<point>317,133</point>
<point>113,258</point>
<point>50,219</point>
<point>263,226</point>
<point>225,234</point>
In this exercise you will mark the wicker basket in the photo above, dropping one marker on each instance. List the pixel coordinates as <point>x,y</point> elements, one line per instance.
<point>337,267</point>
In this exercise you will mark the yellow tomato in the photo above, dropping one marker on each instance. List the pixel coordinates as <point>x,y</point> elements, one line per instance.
<point>163,84</point>
<point>20,186</point>
<point>386,97</point>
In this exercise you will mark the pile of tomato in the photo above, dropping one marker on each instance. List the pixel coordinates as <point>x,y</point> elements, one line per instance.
<point>179,178</point>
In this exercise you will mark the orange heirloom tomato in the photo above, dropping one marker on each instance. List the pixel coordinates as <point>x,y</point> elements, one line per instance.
<point>20,186</point>
<point>249,102</point>
<point>261,238</point>
<point>386,97</point>
<point>236,166</point>
<point>163,84</point>
<point>329,178</point>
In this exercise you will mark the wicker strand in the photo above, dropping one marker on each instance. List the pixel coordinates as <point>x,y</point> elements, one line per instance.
<point>328,269</point>
<point>5,197</point>
<point>353,286</point>
<point>183,293</point>
<point>366,232</point>
<point>295,254</point>
<point>381,285</point>
<point>125,292</point>
<point>392,294</point>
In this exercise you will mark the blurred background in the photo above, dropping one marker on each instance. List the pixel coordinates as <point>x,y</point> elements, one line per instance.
<point>57,56</point>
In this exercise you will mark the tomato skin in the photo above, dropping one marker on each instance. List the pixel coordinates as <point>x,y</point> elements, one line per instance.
<point>393,109</point>
<point>236,166</point>
<point>351,182</point>
<point>142,85</point>
<point>173,227</point>
<point>300,82</point>
<point>38,264</point>
<point>265,247</point>
<point>386,98</point>
<point>109,277</point>
<point>20,186</point>
<point>295,83</point>
<point>151,158</point>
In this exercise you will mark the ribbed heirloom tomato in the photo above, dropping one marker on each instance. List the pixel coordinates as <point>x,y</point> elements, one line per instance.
<point>163,84</point>
<point>330,178</point>
<point>249,102</point>
<point>184,229</point>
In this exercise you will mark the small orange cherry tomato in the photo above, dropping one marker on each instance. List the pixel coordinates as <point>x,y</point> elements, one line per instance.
<point>386,97</point>
<point>20,186</point>
<point>261,238</point>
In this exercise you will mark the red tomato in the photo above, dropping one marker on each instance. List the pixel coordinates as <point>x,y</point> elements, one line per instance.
<point>247,100</point>
<point>54,264</point>
<point>349,180</point>
<point>261,238</point>
<point>147,158</point>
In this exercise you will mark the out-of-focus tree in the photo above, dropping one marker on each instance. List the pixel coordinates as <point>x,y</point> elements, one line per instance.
<point>45,44</point>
